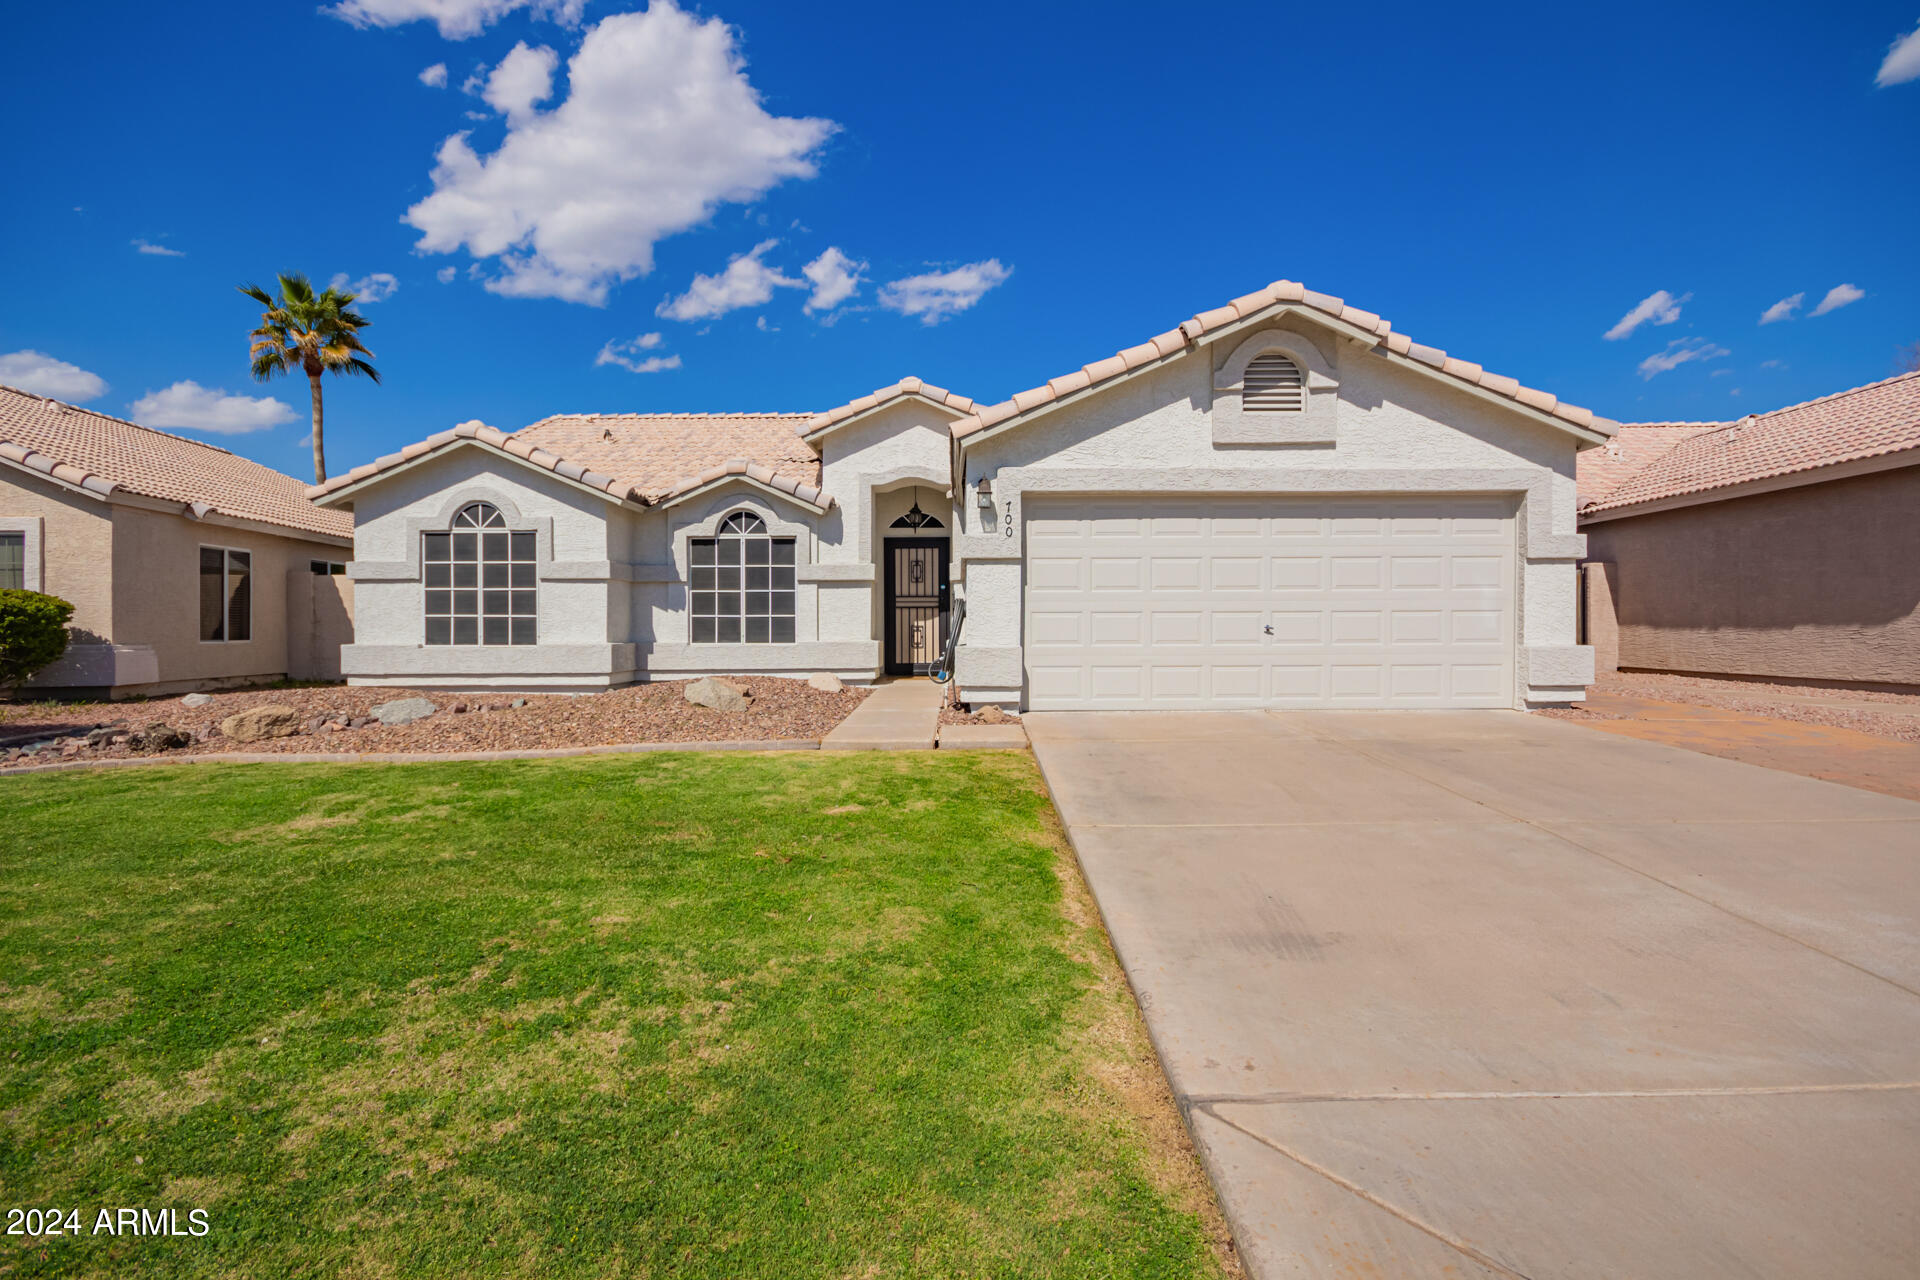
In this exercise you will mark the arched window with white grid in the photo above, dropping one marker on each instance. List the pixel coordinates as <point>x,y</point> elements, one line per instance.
<point>740,587</point>
<point>480,580</point>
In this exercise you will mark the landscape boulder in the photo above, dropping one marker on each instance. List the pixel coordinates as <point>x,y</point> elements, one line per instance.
<point>990,714</point>
<point>720,695</point>
<point>195,700</point>
<point>403,711</point>
<point>160,736</point>
<point>825,682</point>
<point>271,720</point>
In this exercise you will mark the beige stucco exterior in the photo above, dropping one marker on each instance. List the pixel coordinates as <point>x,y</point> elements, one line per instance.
<point>1815,582</point>
<point>131,570</point>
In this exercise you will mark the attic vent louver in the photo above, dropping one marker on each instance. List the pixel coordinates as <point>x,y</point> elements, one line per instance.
<point>1273,384</point>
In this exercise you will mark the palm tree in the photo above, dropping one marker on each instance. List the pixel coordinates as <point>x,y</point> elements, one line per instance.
<point>314,333</point>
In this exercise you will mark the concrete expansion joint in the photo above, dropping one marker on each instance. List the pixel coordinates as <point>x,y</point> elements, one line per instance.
<point>1539,1095</point>
<point>1386,1206</point>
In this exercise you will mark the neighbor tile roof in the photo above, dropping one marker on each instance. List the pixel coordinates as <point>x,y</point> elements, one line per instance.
<point>1281,293</point>
<point>646,457</point>
<point>1633,446</point>
<point>908,386</point>
<point>1866,422</point>
<point>106,455</point>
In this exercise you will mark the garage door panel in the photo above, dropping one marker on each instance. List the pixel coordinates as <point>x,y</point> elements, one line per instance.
<point>1198,602</point>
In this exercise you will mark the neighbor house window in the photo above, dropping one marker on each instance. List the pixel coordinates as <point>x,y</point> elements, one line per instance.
<point>13,561</point>
<point>226,594</point>
<point>479,580</point>
<point>1273,384</point>
<point>741,584</point>
<point>326,568</point>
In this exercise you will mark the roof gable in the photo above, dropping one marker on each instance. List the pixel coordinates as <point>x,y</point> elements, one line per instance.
<point>1285,297</point>
<point>908,388</point>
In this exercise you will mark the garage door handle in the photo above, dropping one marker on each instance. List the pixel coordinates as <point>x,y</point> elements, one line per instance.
<point>1269,628</point>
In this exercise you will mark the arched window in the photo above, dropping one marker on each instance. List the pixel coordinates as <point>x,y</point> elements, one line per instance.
<point>740,584</point>
<point>480,580</point>
<point>1274,384</point>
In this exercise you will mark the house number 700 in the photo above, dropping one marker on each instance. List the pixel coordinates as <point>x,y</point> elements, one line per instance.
<point>1009,526</point>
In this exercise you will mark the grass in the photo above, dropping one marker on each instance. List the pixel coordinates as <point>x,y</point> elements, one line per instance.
<point>673,1015</point>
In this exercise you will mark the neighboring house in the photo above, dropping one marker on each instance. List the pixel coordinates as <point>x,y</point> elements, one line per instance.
<point>187,567</point>
<point>1281,502</point>
<point>1784,545</point>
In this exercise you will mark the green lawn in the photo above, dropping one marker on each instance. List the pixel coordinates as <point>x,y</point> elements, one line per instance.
<point>664,1015</point>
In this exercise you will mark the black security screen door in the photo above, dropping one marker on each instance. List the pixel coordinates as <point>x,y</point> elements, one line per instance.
<point>916,604</point>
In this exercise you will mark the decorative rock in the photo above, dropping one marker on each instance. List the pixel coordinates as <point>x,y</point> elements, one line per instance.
<point>825,682</point>
<point>316,724</point>
<point>195,700</point>
<point>459,708</point>
<point>720,695</point>
<point>990,714</point>
<point>102,736</point>
<point>359,722</point>
<point>159,736</point>
<point>271,720</point>
<point>403,711</point>
<point>518,702</point>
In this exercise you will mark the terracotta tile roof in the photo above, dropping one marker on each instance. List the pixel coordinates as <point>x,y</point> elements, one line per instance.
<point>1866,422</point>
<point>908,386</point>
<point>106,455</point>
<point>1281,293</point>
<point>1633,446</point>
<point>642,457</point>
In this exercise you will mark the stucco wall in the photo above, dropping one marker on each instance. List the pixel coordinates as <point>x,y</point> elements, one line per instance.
<point>1395,430</point>
<point>76,548</point>
<point>319,623</point>
<point>1819,582</point>
<point>156,595</point>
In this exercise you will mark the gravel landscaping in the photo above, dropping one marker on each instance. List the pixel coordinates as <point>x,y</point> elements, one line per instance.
<point>337,718</point>
<point>1886,715</point>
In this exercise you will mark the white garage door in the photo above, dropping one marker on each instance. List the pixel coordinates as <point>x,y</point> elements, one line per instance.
<point>1293,602</point>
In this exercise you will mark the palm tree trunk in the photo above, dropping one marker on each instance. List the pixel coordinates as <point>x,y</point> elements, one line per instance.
<point>319,433</point>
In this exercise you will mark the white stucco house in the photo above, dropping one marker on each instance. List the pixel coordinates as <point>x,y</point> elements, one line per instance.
<point>1280,502</point>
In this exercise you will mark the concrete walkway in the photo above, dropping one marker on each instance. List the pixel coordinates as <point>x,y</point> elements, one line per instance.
<point>1485,994</point>
<point>899,715</point>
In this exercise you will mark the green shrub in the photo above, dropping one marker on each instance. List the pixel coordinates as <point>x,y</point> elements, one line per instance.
<point>33,632</point>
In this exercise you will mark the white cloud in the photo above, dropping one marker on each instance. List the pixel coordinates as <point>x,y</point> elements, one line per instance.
<point>1837,297</point>
<point>1721,373</point>
<point>627,355</point>
<point>1680,351</point>
<point>1658,307</point>
<point>1773,364</point>
<point>835,278</point>
<point>377,287</point>
<point>658,129</point>
<point>158,250</point>
<point>524,77</point>
<point>457,19</point>
<point>1783,309</point>
<point>435,76</point>
<point>445,275</point>
<point>1902,62</point>
<point>747,282</point>
<point>191,407</point>
<point>40,373</point>
<point>939,294</point>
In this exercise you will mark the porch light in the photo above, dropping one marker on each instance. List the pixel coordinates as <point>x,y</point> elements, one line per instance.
<point>986,495</point>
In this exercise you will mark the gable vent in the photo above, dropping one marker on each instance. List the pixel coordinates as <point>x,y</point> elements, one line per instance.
<point>1274,384</point>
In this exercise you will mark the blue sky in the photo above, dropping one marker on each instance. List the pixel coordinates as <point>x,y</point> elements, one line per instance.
<point>1009,191</point>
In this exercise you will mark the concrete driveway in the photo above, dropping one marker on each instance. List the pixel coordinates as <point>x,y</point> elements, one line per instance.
<point>1486,994</point>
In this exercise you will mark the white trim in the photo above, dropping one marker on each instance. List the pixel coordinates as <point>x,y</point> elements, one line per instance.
<point>1908,457</point>
<point>33,569</point>
<point>774,491</point>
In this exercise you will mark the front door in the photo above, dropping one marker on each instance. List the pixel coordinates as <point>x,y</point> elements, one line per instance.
<point>916,604</point>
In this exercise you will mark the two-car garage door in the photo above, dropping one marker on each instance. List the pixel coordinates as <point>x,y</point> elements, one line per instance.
<point>1308,602</point>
